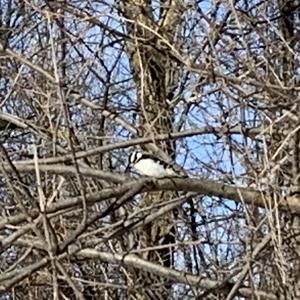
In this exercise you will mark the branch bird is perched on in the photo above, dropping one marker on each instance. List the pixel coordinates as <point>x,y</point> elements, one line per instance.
<point>150,165</point>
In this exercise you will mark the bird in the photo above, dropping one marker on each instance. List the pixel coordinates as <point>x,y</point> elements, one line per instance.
<point>150,165</point>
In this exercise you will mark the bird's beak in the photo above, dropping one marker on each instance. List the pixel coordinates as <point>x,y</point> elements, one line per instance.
<point>127,168</point>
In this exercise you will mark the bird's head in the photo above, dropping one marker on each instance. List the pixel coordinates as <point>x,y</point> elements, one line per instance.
<point>134,157</point>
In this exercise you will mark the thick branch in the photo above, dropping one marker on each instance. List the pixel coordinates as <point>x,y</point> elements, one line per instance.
<point>144,140</point>
<point>176,276</point>
<point>69,170</point>
<point>201,186</point>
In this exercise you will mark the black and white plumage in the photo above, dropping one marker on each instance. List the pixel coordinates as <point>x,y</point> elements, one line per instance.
<point>150,165</point>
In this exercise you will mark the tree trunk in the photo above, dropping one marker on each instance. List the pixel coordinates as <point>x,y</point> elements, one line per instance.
<point>153,70</point>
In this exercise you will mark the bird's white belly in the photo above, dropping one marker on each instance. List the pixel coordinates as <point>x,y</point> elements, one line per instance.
<point>149,167</point>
